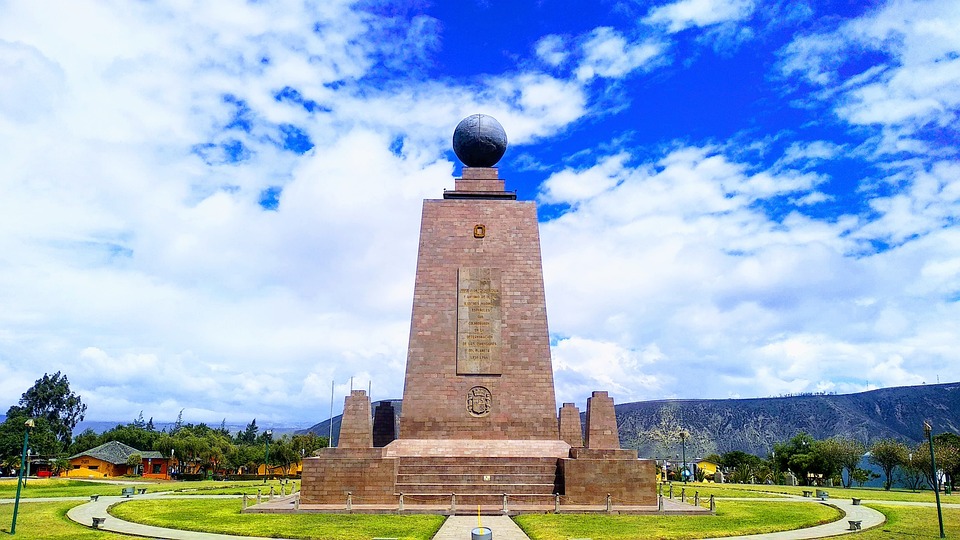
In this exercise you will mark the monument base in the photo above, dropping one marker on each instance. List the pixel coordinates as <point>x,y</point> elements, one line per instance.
<point>472,472</point>
<point>590,475</point>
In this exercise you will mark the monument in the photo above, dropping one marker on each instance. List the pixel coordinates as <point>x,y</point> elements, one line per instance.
<point>479,422</point>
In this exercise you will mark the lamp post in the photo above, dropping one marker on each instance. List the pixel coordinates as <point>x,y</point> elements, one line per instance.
<point>683,448</point>
<point>928,430</point>
<point>28,425</point>
<point>266,463</point>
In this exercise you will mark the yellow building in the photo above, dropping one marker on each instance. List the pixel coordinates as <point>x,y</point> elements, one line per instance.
<point>110,459</point>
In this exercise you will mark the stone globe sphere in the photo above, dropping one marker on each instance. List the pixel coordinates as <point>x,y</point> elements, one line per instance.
<point>479,141</point>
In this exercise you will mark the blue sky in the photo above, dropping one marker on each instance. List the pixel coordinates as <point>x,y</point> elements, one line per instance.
<point>215,207</point>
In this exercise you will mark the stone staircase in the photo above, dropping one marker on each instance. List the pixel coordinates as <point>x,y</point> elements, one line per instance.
<point>477,480</point>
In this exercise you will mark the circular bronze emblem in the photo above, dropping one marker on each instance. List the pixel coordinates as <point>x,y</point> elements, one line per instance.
<point>478,401</point>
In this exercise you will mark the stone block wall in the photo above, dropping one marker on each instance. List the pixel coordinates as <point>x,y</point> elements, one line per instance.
<point>328,477</point>
<point>356,425</point>
<point>571,430</point>
<point>518,402</point>
<point>601,422</point>
<point>629,481</point>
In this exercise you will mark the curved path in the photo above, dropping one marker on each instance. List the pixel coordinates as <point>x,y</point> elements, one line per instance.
<point>459,527</point>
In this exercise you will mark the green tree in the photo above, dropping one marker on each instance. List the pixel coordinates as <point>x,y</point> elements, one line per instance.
<point>135,460</point>
<point>951,440</point>
<point>797,456</point>
<point>86,440</point>
<point>50,398</point>
<point>862,476</point>
<point>43,440</point>
<point>946,455</point>
<point>888,454</point>
<point>838,453</point>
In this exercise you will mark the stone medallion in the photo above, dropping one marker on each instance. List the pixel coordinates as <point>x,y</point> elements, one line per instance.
<point>479,400</point>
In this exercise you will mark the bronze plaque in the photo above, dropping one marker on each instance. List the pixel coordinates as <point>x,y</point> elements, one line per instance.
<point>478,321</point>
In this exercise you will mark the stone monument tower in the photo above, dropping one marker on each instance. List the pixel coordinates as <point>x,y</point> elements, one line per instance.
<point>479,420</point>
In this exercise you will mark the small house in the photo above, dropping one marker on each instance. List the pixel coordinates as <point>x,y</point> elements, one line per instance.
<point>113,459</point>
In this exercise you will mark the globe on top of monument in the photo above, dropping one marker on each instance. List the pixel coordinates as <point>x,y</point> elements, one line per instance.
<point>479,141</point>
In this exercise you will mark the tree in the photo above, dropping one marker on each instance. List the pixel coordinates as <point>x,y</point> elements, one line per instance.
<point>135,460</point>
<point>888,454</point>
<point>43,441</point>
<point>249,435</point>
<point>50,398</point>
<point>946,455</point>
<point>86,440</point>
<point>861,476</point>
<point>949,440</point>
<point>797,456</point>
<point>838,453</point>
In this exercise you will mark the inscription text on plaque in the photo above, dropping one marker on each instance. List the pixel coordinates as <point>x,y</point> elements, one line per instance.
<point>478,321</point>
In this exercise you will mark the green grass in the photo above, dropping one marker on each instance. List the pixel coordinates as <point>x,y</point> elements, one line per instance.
<point>913,522</point>
<point>56,487</point>
<point>48,521</point>
<point>223,516</point>
<point>717,490</point>
<point>61,487</point>
<point>867,494</point>
<point>733,518</point>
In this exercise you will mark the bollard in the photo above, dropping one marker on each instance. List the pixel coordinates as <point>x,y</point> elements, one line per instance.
<point>244,501</point>
<point>660,490</point>
<point>696,498</point>
<point>713,504</point>
<point>259,495</point>
<point>296,502</point>
<point>453,503</point>
<point>270,498</point>
<point>481,533</point>
<point>556,503</point>
<point>671,491</point>
<point>400,508</point>
<point>683,494</point>
<point>504,503</point>
<point>609,504</point>
<point>349,500</point>
<point>660,503</point>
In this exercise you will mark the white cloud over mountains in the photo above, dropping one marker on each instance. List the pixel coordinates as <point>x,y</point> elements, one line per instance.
<point>137,256</point>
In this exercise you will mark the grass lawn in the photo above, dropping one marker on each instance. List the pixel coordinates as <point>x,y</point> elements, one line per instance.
<point>718,490</point>
<point>913,522</point>
<point>48,521</point>
<point>733,518</point>
<point>57,487</point>
<point>61,487</point>
<point>867,494</point>
<point>223,516</point>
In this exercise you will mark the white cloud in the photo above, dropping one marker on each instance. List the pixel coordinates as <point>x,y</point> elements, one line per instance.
<point>693,13</point>
<point>552,50</point>
<point>678,254</point>
<point>607,53</point>
<point>915,82</point>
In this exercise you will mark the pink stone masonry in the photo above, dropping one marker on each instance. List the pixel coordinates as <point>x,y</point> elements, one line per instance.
<point>601,422</point>
<point>571,430</point>
<point>356,426</point>
<point>520,401</point>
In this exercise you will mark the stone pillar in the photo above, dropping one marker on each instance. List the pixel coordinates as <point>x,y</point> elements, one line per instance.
<point>356,426</point>
<point>571,430</point>
<point>601,423</point>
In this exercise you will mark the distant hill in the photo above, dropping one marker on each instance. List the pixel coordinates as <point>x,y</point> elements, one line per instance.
<point>754,425</point>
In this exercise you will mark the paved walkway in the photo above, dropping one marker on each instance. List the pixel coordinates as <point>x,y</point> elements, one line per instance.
<point>459,527</point>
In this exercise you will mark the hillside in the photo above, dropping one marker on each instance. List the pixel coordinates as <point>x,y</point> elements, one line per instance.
<point>754,425</point>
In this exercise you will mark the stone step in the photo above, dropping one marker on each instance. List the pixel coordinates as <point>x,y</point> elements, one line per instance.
<point>476,469</point>
<point>475,478</point>
<point>466,488</point>
<point>480,460</point>
<point>470,501</point>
